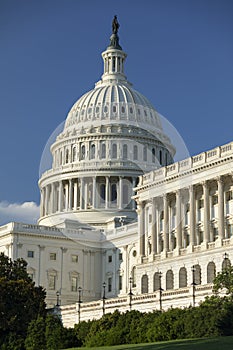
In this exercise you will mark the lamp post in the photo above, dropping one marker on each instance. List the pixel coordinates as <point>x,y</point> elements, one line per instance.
<point>226,262</point>
<point>193,283</point>
<point>79,302</point>
<point>58,301</point>
<point>160,291</point>
<point>104,298</point>
<point>130,293</point>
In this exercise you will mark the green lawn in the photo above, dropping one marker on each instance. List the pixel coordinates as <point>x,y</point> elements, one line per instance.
<point>221,343</point>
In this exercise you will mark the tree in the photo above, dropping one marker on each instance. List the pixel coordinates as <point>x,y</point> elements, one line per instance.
<point>224,280</point>
<point>20,300</point>
<point>36,335</point>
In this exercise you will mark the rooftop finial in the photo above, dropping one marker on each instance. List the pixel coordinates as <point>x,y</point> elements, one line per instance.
<point>115,25</point>
<point>114,39</point>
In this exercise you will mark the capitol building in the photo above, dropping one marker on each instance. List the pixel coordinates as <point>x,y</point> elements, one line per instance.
<point>123,226</point>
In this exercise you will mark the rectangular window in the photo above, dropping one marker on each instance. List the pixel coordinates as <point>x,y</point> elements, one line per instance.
<point>30,254</point>
<point>74,258</point>
<point>109,284</point>
<point>214,200</point>
<point>120,257</point>
<point>74,284</point>
<point>110,258</point>
<point>52,282</point>
<point>200,203</point>
<point>53,256</point>
<point>229,196</point>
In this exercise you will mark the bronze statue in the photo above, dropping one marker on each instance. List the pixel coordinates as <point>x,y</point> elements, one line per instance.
<point>115,25</point>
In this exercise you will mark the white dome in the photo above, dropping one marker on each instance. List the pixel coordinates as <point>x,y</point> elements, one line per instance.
<point>113,103</point>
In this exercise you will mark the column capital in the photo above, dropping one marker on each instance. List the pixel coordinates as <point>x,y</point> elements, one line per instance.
<point>220,179</point>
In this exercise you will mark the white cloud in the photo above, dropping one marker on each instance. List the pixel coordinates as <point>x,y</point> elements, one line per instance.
<point>27,212</point>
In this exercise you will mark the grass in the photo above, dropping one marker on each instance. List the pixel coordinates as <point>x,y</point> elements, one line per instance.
<point>220,343</point>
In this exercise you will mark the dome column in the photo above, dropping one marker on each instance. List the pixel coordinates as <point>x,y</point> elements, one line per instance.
<point>46,201</point>
<point>75,195</point>
<point>66,196</point>
<point>60,199</point>
<point>52,198</point>
<point>120,203</point>
<point>107,192</point>
<point>42,202</point>
<point>133,193</point>
<point>81,193</point>
<point>70,194</point>
<point>94,191</point>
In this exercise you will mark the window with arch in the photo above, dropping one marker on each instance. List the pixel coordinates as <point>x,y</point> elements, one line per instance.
<point>197,274</point>
<point>103,151</point>
<point>226,263</point>
<point>114,151</point>
<point>182,277</point>
<point>144,284</point>
<point>83,152</point>
<point>135,152</point>
<point>92,151</point>
<point>67,156</point>
<point>125,151</point>
<point>74,154</point>
<point>153,155</point>
<point>145,153</point>
<point>169,280</point>
<point>156,282</point>
<point>211,272</point>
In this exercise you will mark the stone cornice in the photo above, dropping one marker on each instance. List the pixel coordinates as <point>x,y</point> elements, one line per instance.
<point>187,167</point>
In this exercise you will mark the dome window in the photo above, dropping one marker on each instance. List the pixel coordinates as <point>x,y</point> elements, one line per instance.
<point>135,152</point>
<point>114,109</point>
<point>145,153</point>
<point>89,110</point>
<point>103,151</point>
<point>67,156</point>
<point>83,151</point>
<point>145,113</point>
<point>153,155</point>
<point>131,110</point>
<point>114,151</point>
<point>160,157</point>
<point>83,111</point>
<point>139,112</point>
<point>125,151</point>
<point>74,154</point>
<point>97,109</point>
<point>92,151</point>
<point>123,109</point>
<point>105,109</point>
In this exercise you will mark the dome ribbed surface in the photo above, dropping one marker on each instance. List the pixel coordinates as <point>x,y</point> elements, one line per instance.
<point>113,103</point>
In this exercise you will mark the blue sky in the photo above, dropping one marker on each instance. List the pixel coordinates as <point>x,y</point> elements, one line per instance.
<point>180,55</point>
